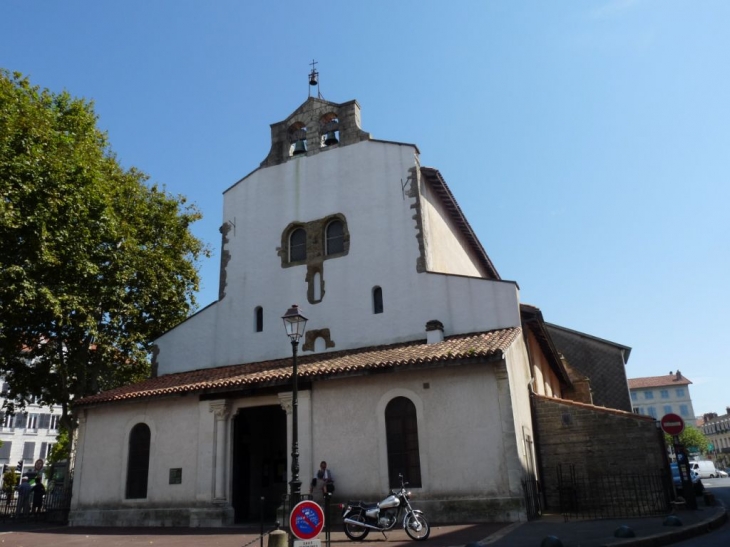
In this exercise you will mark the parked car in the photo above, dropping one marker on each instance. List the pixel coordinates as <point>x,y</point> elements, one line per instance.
<point>722,474</point>
<point>704,468</point>
<point>697,485</point>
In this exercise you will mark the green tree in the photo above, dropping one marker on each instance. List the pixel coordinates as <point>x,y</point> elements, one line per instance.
<point>691,437</point>
<point>95,263</point>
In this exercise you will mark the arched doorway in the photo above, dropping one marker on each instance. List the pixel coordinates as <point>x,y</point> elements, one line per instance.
<point>259,462</point>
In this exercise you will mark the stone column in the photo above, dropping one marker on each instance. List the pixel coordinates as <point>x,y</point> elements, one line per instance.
<point>221,410</point>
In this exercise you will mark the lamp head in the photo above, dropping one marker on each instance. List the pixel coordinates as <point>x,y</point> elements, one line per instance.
<point>294,323</point>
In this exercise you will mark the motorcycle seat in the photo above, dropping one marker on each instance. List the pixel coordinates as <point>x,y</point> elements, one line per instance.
<point>362,504</point>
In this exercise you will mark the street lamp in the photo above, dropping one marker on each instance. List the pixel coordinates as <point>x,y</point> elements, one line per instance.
<point>294,323</point>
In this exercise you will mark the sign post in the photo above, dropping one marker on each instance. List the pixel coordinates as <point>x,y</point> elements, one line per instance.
<point>673,424</point>
<point>306,522</point>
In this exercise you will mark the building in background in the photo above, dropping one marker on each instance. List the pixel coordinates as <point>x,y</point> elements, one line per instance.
<point>656,396</point>
<point>717,430</point>
<point>27,436</point>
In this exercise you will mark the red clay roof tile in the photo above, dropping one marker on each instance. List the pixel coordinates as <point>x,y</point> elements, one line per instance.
<point>313,366</point>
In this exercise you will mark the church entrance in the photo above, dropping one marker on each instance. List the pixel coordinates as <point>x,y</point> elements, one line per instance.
<point>259,463</point>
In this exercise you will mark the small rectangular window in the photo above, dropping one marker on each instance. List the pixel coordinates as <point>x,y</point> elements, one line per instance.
<point>665,394</point>
<point>259,319</point>
<point>683,410</point>
<point>32,422</point>
<point>634,396</point>
<point>377,300</point>
<point>652,411</point>
<point>680,392</point>
<point>648,395</point>
<point>667,409</point>
<point>54,421</point>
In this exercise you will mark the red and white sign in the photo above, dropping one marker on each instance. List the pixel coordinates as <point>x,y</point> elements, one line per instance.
<point>306,520</point>
<point>672,424</point>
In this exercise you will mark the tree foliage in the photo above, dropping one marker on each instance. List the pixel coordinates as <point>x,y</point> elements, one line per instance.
<point>95,263</point>
<point>691,437</point>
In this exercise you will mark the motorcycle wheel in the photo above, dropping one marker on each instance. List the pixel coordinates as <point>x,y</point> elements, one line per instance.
<point>417,527</point>
<point>355,532</point>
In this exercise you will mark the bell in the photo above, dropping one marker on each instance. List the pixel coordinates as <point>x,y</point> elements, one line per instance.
<point>313,78</point>
<point>330,138</point>
<point>300,147</point>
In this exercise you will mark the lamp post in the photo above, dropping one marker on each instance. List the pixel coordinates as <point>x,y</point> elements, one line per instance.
<point>294,323</point>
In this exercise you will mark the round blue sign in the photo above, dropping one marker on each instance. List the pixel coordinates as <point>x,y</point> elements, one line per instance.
<point>306,520</point>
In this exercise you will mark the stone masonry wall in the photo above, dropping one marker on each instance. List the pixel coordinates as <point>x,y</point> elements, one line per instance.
<point>595,441</point>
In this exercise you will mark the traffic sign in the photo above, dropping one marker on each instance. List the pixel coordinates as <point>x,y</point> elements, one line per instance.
<point>672,424</point>
<point>306,520</point>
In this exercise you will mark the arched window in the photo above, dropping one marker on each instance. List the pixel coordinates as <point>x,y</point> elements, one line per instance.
<point>335,238</point>
<point>298,245</point>
<point>138,464</point>
<point>259,318</point>
<point>377,300</point>
<point>401,432</point>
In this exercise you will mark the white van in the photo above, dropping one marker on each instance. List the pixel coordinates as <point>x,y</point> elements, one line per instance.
<point>705,469</point>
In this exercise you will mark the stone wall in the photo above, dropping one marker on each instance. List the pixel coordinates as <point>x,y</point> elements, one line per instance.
<point>593,441</point>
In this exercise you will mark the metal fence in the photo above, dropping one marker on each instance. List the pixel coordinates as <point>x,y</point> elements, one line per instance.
<point>531,491</point>
<point>613,495</point>
<point>54,506</point>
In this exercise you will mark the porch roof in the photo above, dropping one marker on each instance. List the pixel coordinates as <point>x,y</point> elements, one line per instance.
<point>460,348</point>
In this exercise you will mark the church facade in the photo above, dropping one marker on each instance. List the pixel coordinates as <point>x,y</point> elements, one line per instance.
<point>416,359</point>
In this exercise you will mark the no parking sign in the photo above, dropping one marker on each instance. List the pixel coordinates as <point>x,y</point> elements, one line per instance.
<point>306,520</point>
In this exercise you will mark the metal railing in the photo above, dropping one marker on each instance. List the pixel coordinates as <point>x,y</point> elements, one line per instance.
<point>531,491</point>
<point>54,506</point>
<point>613,495</point>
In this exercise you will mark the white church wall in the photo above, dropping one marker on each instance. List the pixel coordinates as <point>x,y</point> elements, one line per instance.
<point>520,421</point>
<point>364,182</point>
<point>458,438</point>
<point>102,456</point>
<point>447,252</point>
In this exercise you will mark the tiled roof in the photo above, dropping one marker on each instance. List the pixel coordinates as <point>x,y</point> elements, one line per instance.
<point>467,347</point>
<point>658,381</point>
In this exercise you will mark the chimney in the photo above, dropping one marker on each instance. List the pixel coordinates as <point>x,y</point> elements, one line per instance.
<point>434,332</point>
<point>727,409</point>
<point>679,375</point>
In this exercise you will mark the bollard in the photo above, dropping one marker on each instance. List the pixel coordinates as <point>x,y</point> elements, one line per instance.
<point>278,538</point>
<point>624,531</point>
<point>551,541</point>
<point>672,520</point>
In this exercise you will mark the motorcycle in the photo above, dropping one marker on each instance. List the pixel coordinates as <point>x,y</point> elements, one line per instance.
<point>359,517</point>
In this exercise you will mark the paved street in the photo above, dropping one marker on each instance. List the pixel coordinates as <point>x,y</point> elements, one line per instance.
<point>48,536</point>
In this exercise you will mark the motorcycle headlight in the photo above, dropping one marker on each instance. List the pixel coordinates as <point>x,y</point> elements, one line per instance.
<point>408,495</point>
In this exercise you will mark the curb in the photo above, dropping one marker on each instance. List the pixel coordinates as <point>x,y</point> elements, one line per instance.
<point>673,536</point>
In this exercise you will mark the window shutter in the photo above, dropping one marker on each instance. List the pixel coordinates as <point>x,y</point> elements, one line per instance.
<point>5,450</point>
<point>20,420</point>
<point>28,450</point>
<point>44,422</point>
<point>43,454</point>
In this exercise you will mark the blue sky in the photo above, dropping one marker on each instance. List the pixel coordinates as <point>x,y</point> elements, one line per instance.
<point>587,142</point>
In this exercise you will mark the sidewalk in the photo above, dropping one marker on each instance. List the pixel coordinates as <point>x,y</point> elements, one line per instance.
<point>649,531</point>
